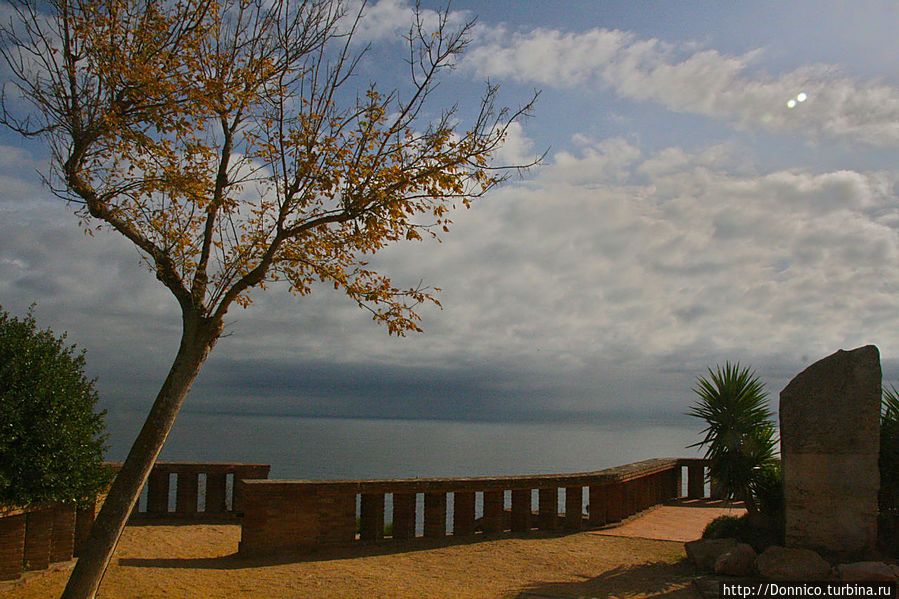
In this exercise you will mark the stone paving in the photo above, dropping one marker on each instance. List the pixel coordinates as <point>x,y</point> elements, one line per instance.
<point>682,520</point>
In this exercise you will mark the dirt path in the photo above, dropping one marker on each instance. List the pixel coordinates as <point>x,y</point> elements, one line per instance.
<point>199,561</point>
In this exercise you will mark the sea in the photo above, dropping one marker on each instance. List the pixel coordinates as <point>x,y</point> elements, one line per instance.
<point>348,448</point>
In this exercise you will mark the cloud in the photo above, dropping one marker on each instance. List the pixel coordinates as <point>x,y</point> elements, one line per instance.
<point>391,19</point>
<point>593,262</point>
<point>605,281</point>
<point>684,78</point>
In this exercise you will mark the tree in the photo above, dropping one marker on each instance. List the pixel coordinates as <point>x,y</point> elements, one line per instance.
<point>739,439</point>
<point>51,440</point>
<point>223,139</point>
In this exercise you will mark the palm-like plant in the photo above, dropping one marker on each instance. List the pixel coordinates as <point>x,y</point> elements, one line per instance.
<point>740,437</point>
<point>889,451</point>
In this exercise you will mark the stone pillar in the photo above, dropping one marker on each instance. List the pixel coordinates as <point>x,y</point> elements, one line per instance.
<point>695,481</point>
<point>371,517</point>
<point>246,472</point>
<point>12,545</point>
<point>463,513</point>
<point>62,540</point>
<point>435,515</point>
<point>548,518</point>
<point>521,510</point>
<point>616,502</point>
<point>216,485</point>
<point>186,492</point>
<point>158,491</point>
<point>830,442</point>
<point>574,507</point>
<point>598,509</point>
<point>38,532</point>
<point>494,505</point>
<point>404,515</point>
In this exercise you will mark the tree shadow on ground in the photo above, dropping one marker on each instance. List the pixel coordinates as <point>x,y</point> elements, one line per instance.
<point>657,579</point>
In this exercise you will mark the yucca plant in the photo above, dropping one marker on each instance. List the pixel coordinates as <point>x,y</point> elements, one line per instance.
<point>889,451</point>
<point>739,438</point>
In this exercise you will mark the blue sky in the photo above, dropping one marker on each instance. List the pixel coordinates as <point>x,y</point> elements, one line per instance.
<point>684,215</point>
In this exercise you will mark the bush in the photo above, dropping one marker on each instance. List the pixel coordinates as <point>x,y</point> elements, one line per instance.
<point>888,525</point>
<point>889,452</point>
<point>725,527</point>
<point>744,530</point>
<point>739,437</point>
<point>51,441</point>
<point>767,490</point>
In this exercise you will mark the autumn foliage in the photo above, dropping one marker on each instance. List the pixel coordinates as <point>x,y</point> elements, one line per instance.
<point>238,143</point>
<point>223,139</point>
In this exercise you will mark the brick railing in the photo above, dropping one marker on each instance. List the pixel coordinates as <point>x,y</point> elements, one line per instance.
<point>196,491</point>
<point>301,515</point>
<point>33,537</point>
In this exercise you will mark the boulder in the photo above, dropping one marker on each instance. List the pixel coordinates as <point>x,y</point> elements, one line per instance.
<point>781,563</point>
<point>704,553</point>
<point>831,476</point>
<point>739,561</point>
<point>867,571</point>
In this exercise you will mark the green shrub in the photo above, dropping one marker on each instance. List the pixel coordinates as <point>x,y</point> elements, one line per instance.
<point>51,441</point>
<point>889,452</point>
<point>767,490</point>
<point>745,530</point>
<point>724,527</point>
<point>740,435</point>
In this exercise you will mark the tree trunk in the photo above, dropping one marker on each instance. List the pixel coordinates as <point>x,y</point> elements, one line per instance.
<point>197,339</point>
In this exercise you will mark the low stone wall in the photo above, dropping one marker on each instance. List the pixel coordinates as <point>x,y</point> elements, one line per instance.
<point>34,537</point>
<point>202,491</point>
<point>302,515</point>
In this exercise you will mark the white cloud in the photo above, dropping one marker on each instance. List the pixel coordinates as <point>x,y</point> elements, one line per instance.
<point>610,260</point>
<point>704,82</point>
<point>700,259</point>
<point>391,19</point>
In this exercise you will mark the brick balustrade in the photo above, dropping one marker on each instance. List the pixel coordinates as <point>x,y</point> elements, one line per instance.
<point>35,536</point>
<point>221,499</point>
<point>300,515</point>
<point>283,515</point>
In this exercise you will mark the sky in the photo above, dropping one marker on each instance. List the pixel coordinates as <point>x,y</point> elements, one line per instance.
<point>720,183</point>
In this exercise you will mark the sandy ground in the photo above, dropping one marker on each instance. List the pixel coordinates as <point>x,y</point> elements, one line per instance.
<point>195,561</point>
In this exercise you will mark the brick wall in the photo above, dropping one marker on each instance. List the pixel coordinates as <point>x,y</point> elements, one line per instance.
<point>302,515</point>
<point>185,480</point>
<point>34,537</point>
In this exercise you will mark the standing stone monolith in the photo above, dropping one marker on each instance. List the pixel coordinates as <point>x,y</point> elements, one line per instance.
<point>830,442</point>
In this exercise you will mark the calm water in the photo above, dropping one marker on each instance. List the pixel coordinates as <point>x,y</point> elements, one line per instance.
<point>326,448</point>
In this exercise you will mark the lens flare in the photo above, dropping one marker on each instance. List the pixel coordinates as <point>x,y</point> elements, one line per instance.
<point>800,97</point>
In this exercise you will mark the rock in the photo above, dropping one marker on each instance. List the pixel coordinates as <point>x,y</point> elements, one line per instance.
<point>704,553</point>
<point>781,563</point>
<point>739,561</point>
<point>831,476</point>
<point>867,571</point>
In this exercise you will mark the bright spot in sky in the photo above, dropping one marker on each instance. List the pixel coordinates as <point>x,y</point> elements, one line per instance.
<point>800,97</point>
